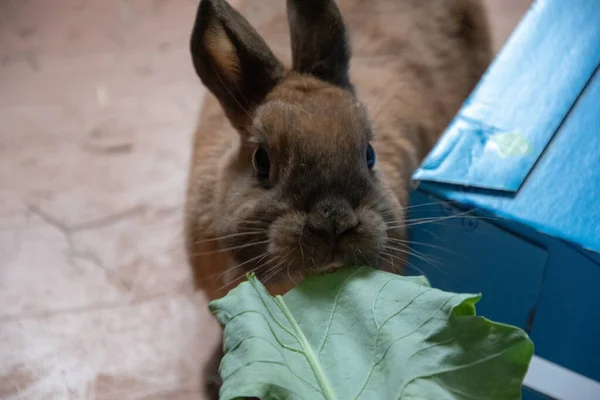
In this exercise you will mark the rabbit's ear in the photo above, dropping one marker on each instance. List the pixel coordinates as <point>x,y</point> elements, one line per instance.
<point>232,60</point>
<point>320,45</point>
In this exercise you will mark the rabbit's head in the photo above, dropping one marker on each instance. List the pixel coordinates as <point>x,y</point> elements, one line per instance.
<point>301,190</point>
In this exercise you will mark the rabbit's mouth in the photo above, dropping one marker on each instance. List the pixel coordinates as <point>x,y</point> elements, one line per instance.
<point>330,267</point>
<point>340,260</point>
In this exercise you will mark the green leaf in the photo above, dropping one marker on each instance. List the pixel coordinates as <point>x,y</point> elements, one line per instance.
<point>366,334</point>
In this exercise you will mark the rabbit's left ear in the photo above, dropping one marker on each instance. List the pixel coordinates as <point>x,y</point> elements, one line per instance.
<point>320,45</point>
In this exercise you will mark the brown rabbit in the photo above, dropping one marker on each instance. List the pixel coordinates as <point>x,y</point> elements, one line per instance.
<point>308,168</point>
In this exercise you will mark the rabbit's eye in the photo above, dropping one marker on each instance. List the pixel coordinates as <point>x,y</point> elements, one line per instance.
<point>261,162</point>
<point>370,157</point>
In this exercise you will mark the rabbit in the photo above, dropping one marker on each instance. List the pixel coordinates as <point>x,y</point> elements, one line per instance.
<point>303,154</point>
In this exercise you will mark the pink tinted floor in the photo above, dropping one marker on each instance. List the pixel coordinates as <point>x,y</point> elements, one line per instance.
<point>98,101</point>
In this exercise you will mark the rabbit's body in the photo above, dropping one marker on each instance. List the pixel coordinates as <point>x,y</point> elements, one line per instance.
<point>283,177</point>
<point>413,64</point>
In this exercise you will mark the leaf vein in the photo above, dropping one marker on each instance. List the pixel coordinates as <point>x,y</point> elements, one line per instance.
<point>335,303</point>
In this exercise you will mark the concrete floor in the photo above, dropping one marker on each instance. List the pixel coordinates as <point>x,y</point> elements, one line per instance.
<point>98,101</point>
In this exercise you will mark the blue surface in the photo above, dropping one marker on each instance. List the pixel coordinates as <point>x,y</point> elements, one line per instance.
<point>566,328</point>
<point>524,156</point>
<point>528,279</point>
<point>463,254</point>
<point>529,394</point>
<point>561,195</point>
<point>526,93</point>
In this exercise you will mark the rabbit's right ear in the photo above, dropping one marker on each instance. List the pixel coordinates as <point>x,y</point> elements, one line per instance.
<point>232,60</point>
<point>320,45</point>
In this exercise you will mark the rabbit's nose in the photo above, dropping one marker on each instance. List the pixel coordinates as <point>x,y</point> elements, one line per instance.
<point>331,218</point>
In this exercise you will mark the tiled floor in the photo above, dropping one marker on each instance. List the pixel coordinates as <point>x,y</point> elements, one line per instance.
<point>97,105</point>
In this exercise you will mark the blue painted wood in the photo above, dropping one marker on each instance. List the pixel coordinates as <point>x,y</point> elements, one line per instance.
<point>561,196</point>
<point>528,279</point>
<point>543,193</point>
<point>546,84</point>
<point>529,394</point>
<point>462,254</point>
<point>525,95</point>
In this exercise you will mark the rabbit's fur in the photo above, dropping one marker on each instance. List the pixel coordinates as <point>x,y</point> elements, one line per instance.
<point>319,206</point>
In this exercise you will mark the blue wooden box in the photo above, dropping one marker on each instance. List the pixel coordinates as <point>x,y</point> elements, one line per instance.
<point>508,202</point>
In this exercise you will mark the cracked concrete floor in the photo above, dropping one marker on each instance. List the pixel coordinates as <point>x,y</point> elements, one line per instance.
<point>98,101</point>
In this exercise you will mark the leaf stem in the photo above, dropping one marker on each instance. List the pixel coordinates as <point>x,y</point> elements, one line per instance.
<point>308,352</point>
